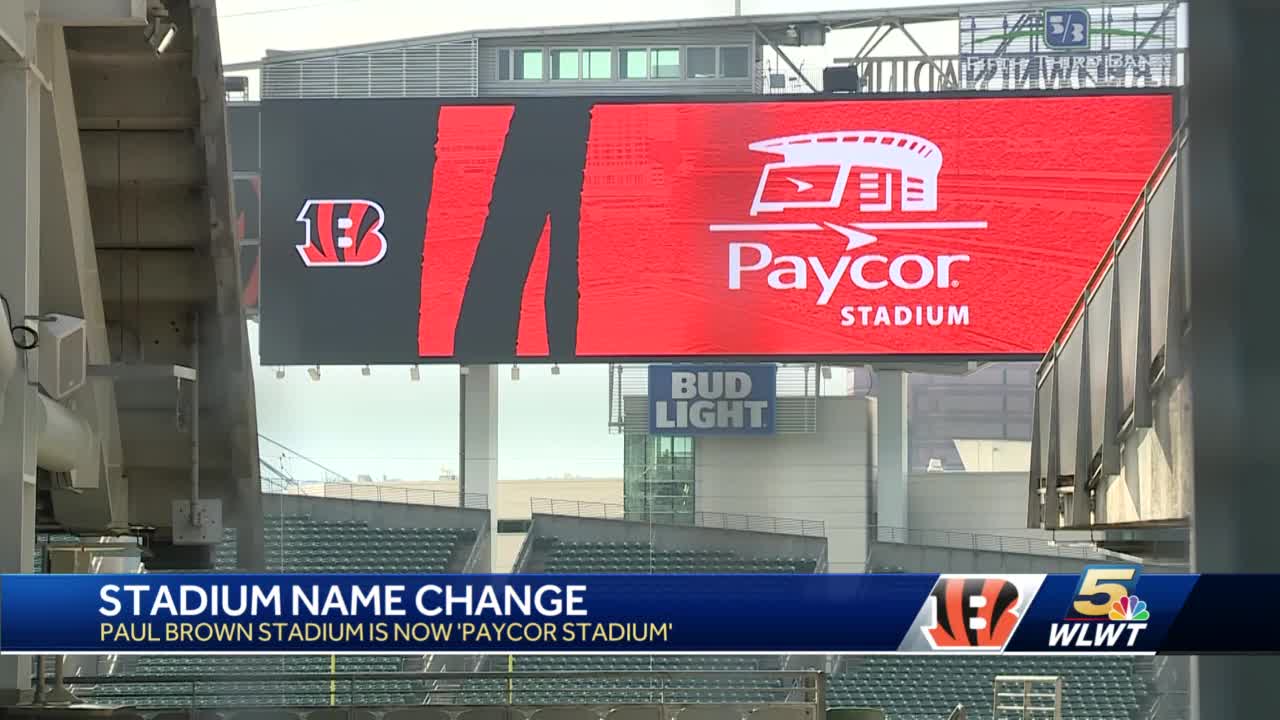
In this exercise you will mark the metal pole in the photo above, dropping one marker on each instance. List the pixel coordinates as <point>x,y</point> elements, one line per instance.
<point>462,436</point>
<point>195,418</point>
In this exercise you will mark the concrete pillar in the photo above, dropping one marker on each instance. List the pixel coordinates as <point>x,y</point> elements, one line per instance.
<point>19,282</point>
<point>479,441</point>
<point>891,454</point>
<point>1233,345</point>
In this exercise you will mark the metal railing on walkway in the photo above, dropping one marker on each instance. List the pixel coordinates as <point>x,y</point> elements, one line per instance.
<point>990,543</point>
<point>717,520</point>
<point>378,492</point>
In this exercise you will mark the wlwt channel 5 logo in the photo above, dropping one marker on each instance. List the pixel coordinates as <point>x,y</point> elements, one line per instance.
<point>1105,612</point>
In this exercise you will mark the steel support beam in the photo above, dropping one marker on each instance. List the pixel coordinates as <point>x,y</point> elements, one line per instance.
<point>20,99</point>
<point>1234,345</point>
<point>799,73</point>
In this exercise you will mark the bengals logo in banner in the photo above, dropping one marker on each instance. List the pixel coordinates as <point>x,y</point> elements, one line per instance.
<point>972,613</point>
<point>342,233</point>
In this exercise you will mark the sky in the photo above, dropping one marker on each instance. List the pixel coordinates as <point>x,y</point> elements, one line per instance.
<point>384,425</point>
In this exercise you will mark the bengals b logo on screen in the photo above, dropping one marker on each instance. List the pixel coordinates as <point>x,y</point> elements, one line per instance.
<point>969,613</point>
<point>342,233</point>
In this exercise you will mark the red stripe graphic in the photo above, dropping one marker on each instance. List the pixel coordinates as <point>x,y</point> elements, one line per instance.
<point>360,250</point>
<point>324,231</point>
<point>531,340</point>
<point>468,147</point>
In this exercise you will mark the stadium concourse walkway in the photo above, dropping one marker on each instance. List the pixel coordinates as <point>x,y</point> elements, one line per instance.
<point>302,544</point>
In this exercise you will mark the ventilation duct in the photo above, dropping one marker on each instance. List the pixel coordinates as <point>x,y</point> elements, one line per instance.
<point>66,444</point>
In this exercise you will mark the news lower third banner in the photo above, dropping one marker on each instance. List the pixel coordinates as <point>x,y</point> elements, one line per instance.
<point>1105,609</point>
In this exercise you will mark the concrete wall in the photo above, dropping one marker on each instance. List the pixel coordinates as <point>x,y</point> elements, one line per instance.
<point>914,558</point>
<point>821,476</point>
<point>1155,474</point>
<point>976,502</point>
<point>994,455</point>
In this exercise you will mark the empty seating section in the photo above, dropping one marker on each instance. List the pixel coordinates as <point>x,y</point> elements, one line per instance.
<point>647,688</point>
<point>299,543</point>
<point>925,688</point>
<point>634,556</point>
<point>559,555</point>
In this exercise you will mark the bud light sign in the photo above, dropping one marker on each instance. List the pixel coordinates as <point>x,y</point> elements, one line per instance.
<point>712,399</point>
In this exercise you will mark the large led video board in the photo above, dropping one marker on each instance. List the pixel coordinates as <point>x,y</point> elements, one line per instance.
<point>419,230</point>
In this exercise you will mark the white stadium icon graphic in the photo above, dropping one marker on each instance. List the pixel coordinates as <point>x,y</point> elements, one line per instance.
<point>879,156</point>
<point>888,170</point>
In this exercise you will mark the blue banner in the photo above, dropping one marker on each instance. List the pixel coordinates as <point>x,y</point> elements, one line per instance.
<point>1106,609</point>
<point>712,399</point>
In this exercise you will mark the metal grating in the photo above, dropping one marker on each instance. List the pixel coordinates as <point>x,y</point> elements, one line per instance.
<point>796,411</point>
<point>446,69</point>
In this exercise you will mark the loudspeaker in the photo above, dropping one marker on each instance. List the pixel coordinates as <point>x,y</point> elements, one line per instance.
<point>63,355</point>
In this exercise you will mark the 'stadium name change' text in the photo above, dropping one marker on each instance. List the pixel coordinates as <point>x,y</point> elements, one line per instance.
<point>320,601</point>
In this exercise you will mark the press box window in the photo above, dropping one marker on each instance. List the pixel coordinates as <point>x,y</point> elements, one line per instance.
<point>701,61</point>
<point>528,65</point>
<point>597,64</point>
<point>564,65</point>
<point>665,63</point>
<point>506,527</point>
<point>633,64</point>
<point>734,62</point>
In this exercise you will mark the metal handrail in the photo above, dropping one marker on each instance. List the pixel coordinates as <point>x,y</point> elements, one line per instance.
<point>404,675</point>
<point>698,518</point>
<point>1168,161</point>
<point>991,543</point>
<point>377,492</point>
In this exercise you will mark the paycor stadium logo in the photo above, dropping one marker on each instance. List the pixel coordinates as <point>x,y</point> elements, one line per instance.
<point>820,180</point>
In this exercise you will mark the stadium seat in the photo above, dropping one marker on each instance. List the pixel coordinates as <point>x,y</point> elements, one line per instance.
<point>299,543</point>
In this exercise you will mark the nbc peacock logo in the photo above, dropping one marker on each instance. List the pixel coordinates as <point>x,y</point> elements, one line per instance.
<point>1105,613</point>
<point>1129,608</point>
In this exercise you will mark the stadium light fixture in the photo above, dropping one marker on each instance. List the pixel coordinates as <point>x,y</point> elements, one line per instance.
<point>414,374</point>
<point>314,372</point>
<point>160,33</point>
<point>515,373</point>
<point>555,369</point>
<point>166,40</point>
<point>365,371</point>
